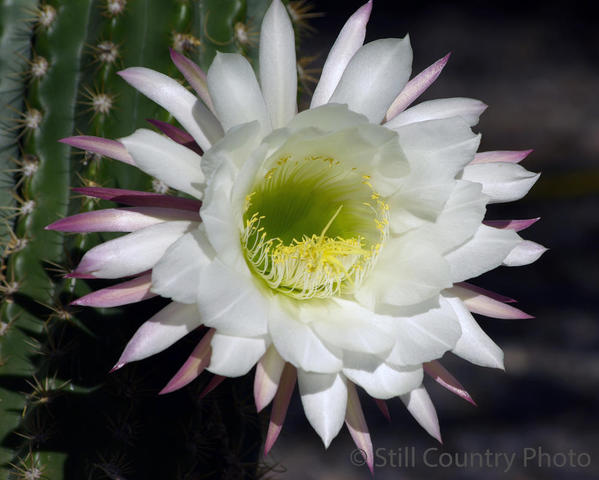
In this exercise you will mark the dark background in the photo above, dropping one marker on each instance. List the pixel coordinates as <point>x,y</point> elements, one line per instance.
<point>536,65</point>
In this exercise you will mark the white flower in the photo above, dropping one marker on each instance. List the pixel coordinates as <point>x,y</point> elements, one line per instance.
<point>331,245</point>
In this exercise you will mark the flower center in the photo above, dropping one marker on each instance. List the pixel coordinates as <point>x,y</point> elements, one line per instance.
<point>313,227</point>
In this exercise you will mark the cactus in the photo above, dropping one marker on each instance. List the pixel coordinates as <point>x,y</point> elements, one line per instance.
<point>61,414</point>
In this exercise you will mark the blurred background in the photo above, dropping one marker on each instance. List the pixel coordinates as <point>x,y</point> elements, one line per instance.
<point>536,64</point>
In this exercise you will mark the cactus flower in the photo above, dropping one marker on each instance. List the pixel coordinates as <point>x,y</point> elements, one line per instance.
<point>328,248</point>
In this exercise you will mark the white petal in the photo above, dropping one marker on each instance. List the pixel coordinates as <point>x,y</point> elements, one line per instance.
<point>374,77</point>
<point>278,69</point>
<point>348,42</point>
<point>379,379</point>
<point>421,407</point>
<point>267,378</point>
<point>408,271</point>
<point>324,397</point>
<point>235,92</point>
<point>468,109</point>
<point>486,250</point>
<point>350,326</point>
<point>331,117</point>
<point>170,324</point>
<point>297,343</point>
<point>524,253</point>
<point>231,301</point>
<point>235,356</point>
<point>200,122</point>
<point>423,334</point>
<point>503,182</point>
<point>177,273</point>
<point>474,345</point>
<point>161,157</point>
<point>133,253</point>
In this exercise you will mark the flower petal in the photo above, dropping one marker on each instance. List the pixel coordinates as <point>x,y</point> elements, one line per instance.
<point>374,77</point>
<point>140,199</point>
<point>131,291</point>
<point>120,219</point>
<point>266,381</point>
<point>324,397</point>
<point>231,301</point>
<point>356,424</point>
<point>516,225</point>
<point>102,146</point>
<point>524,253</point>
<point>175,133</point>
<point>180,103</point>
<point>421,407</point>
<point>177,273</point>
<point>379,379</point>
<point>503,156</point>
<point>161,157</point>
<point>297,343</point>
<point>280,406</point>
<point>482,304</point>
<point>194,76</point>
<point>474,345</point>
<point>503,182</point>
<point>235,92</point>
<point>486,250</point>
<point>416,87</point>
<point>437,371</point>
<point>193,366</point>
<point>468,109</point>
<point>278,69</point>
<point>133,253</point>
<point>170,324</point>
<point>235,356</point>
<point>350,39</point>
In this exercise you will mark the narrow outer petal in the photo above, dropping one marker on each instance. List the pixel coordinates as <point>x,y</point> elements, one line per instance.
<point>194,76</point>
<point>280,406</point>
<point>176,134</point>
<point>524,253</point>
<point>266,380</point>
<point>102,146</point>
<point>193,366</point>
<point>356,424</point>
<point>505,156</point>
<point>140,199</point>
<point>421,407</point>
<point>131,291</point>
<point>516,225</point>
<point>484,305</point>
<point>374,77</point>
<point>350,39</point>
<point>437,371</point>
<point>120,219</point>
<point>278,68</point>
<point>416,87</point>
<point>182,104</point>
<point>468,109</point>
<point>170,324</point>
<point>324,397</point>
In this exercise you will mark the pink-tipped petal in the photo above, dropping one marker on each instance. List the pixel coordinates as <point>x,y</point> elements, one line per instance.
<point>76,274</point>
<point>280,406</point>
<point>350,39</point>
<point>506,156</point>
<point>194,365</point>
<point>131,291</point>
<point>382,405</point>
<point>484,305</point>
<point>438,372</point>
<point>120,219</point>
<point>416,87</point>
<point>140,199</point>
<point>194,75</point>
<point>215,382</point>
<point>101,146</point>
<point>421,407</point>
<point>516,225</point>
<point>483,291</point>
<point>356,424</point>
<point>266,381</point>
<point>178,135</point>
